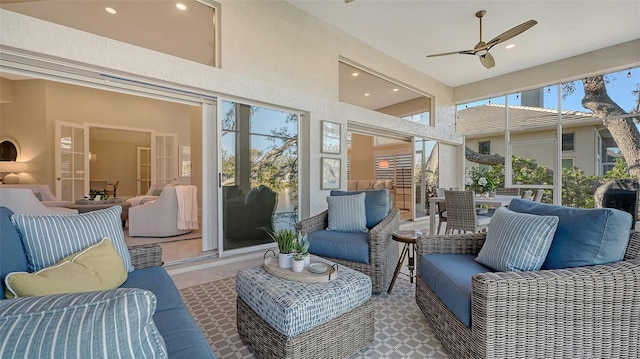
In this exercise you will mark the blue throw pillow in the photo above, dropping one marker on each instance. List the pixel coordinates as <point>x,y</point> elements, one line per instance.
<point>347,213</point>
<point>517,241</point>
<point>49,238</point>
<point>584,236</point>
<point>12,257</point>
<point>376,203</point>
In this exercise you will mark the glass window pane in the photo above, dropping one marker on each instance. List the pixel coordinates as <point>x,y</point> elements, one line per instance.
<point>273,122</point>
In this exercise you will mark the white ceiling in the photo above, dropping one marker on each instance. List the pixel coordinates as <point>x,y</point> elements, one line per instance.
<point>408,30</point>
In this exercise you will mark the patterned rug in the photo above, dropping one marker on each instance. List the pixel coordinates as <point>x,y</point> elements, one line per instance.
<point>401,330</point>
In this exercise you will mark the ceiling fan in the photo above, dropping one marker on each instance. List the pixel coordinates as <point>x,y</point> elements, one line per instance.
<point>482,48</point>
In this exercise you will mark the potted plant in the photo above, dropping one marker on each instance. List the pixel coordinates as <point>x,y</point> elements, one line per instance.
<point>297,264</point>
<point>286,240</point>
<point>303,248</point>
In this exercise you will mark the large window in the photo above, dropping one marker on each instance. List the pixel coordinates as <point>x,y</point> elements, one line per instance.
<point>532,119</point>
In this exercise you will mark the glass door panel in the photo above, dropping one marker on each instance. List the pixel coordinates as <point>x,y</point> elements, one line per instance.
<point>71,161</point>
<point>258,173</point>
<point>426,174</point>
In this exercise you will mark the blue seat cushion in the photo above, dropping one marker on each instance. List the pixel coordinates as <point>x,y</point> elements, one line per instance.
<point>158,281</point>
<point>12,257</point>
<point>449,277</point>
<point>181,334</point>
<point>584,236</point>
<point>353,247</point>
<point>376,203</point>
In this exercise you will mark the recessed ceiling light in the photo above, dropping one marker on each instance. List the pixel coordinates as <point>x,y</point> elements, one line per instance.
<point>367,94</point>
<point>355,74</point>
<point>181,6</point>
<point>510,46</point>
<point>110,10</point>
<point>396,90</point>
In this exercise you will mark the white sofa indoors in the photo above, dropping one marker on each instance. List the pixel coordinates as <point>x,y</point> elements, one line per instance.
<point>23,200</point>
<point>42,193</point>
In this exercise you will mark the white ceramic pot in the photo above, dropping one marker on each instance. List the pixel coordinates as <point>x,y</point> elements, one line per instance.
<point>285,259</point>
<point>297,265</point>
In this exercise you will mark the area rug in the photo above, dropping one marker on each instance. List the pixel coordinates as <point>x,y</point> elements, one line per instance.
<point>401,330</point>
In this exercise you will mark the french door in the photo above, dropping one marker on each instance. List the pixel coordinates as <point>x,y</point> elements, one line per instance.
<point>71,161</point>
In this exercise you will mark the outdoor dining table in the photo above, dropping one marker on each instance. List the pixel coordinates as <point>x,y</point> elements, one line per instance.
<point>497,201</point>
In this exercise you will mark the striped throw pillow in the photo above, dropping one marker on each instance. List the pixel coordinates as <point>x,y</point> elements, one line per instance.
<point>517,241</point>
<point>108,324</point>
<point>347,213</point>
<point>49,238</point>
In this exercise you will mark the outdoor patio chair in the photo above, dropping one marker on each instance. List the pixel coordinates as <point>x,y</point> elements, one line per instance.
<point>538,196</point>
<point>461,213</point>
<point>442,209</point>
<point>508,191</point>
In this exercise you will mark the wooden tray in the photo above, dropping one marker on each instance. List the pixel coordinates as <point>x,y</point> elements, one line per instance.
<point>271,266</point>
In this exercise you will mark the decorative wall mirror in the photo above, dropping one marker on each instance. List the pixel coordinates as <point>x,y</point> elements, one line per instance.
<point>9,150</point>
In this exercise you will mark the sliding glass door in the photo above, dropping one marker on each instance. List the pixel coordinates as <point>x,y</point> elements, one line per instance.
<point>258,174</point>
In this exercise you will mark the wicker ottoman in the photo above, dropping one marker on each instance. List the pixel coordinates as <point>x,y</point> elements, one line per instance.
<point>279,318</point>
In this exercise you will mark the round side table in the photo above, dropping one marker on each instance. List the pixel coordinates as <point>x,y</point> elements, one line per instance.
<point>408,250</point>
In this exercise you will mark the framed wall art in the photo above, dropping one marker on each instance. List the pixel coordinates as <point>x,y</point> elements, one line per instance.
<point>331,137</point>
<point>330,173</point>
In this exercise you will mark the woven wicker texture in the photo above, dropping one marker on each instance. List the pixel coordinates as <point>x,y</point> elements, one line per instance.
<point>383,251</point>
<point>338,338</point>
<point>461,212</point>
<point>146,255</point>
<point>508,191</point>
<point>585,312</point>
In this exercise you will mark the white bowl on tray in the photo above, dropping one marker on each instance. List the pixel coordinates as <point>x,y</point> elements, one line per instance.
<point>318,268</point>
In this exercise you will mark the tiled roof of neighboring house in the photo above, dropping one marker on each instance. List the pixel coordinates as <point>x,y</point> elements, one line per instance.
<point>490,119</point>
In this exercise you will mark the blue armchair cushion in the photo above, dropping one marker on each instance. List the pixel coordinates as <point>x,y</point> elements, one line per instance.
<point>376,203</point>
<point>108,324</point>
<point>347,213</point>
<point>449,277</point>
<point>353,247</point>
<point>584,236</point>
<point>49,238</point>
<point>517,241</point>
<point>181,334</point>
<point>157,281</point>
<point>12,258</point>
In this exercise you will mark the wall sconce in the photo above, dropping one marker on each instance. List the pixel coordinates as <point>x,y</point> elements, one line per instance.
<point>93,157</point>
<point>12,167</point>
<point>383,164</point>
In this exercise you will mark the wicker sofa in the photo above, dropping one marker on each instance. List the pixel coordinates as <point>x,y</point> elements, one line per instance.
<point>581,312</point>
<point>181,335</point>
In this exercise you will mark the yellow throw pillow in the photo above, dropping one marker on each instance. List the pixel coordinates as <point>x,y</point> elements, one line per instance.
<point>98,267</point>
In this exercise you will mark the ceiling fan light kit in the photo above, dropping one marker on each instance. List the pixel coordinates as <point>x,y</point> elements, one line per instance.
<point>482,48</point>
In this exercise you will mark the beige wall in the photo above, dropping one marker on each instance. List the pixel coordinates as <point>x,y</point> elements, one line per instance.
<point>362,158</point>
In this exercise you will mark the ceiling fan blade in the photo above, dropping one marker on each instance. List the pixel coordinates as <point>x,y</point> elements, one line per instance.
<point>463,52</point>
<point>487,60</point>
<point>511,33</point>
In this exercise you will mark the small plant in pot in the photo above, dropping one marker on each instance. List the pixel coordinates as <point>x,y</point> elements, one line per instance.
<point>286,240</point>
<point>303,248</point>
<point>298,262</point>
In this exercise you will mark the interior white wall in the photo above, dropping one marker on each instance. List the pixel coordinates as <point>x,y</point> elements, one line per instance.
<point>254,74</point>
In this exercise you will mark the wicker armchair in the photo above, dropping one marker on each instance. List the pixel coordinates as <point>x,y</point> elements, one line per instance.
<point>383,251</point>
<point>584,312</point>
<point>461,212</point>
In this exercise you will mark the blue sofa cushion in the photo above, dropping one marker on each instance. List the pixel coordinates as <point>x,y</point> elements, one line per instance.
<point>376,203</point>
<point>517,241</point>
<point>182,335</point>
<point>353,247</point>
<point>12,257</point>
<point>158,281</point>
<point>584,236</point>
<point>347,213</point>
<point>49,238</point>
<point>449,277</point>
<point>107,324</point>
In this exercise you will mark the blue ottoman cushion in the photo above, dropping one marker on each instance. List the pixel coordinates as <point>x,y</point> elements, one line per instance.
<point>584,236</point>
<point>12,257</point>
<point>353,247</point>
<point>376,204</point>
<point>449,277</point>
